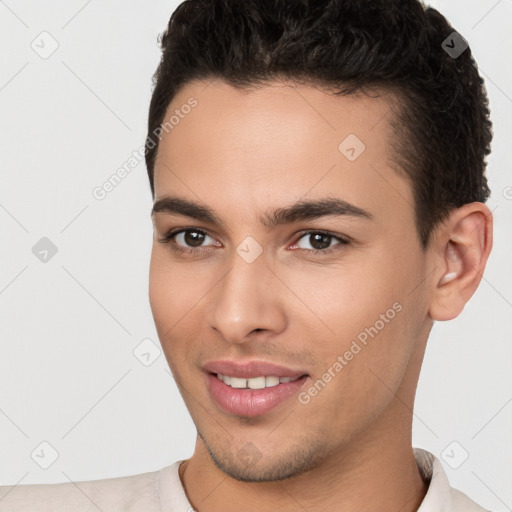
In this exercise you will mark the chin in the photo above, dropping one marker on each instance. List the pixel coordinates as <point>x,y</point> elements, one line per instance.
<point>249,464</point>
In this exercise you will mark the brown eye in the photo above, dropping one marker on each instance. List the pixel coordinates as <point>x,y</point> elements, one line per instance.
<point>319,241</point>
<point>193,238</point>
<point>186,239</point>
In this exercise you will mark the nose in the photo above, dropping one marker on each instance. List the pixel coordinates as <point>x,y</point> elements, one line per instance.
<point>247,299</point>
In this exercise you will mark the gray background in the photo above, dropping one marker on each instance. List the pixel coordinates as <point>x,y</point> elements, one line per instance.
<point>69,326</point>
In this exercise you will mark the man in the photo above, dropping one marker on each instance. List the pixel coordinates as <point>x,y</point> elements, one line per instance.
<point>318,175</point>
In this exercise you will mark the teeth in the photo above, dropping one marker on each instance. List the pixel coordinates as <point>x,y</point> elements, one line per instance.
<point>271,381</point>
<point>255,382</point>
<point>238,383</point>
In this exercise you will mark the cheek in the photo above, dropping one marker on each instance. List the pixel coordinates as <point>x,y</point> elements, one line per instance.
<point>174,289</point>
<point>365,314</point>
<point>377,326</point>
<point>171,297</point>
<point>361,367</point>
<point>160,290</point>
<point>347,298</point>
<point>178,293</point>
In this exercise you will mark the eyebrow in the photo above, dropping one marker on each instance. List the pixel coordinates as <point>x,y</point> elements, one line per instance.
<point>299,211</point>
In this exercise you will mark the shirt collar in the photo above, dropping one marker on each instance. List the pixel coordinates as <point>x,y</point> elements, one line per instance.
<point>440,496</point>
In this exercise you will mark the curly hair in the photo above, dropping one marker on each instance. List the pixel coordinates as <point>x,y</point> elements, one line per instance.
<point>442,131</point>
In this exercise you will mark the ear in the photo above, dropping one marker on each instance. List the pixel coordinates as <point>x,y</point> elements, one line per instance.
<point>461,249</point>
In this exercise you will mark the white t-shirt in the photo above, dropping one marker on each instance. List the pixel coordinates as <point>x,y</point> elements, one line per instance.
<point>162,491</point>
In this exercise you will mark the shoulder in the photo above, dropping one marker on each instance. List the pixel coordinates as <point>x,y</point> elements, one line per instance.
<point>462,502</point>
<point>127,493</point>
<point>441,496</point>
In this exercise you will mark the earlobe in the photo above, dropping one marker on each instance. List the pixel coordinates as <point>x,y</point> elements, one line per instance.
<point>463,248</point>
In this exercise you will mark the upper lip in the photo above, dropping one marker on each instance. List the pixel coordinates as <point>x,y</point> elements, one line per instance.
<point>251,369</point>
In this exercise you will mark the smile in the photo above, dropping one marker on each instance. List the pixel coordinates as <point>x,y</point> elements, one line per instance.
<point>254,383</point>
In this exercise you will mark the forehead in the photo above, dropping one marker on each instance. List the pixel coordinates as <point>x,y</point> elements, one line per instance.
<point>278,141</point>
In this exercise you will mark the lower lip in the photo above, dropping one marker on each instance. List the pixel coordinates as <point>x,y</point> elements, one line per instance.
<point>251,402</point>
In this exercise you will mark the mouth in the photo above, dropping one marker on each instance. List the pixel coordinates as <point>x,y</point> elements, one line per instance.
<point>251,389</point>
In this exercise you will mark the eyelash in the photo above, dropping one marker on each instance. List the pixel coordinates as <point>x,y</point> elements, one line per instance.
<point>168,239</point>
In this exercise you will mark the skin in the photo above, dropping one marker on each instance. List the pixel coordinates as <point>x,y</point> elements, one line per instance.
<point>242,153</point>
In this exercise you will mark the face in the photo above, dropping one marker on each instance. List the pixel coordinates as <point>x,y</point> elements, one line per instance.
<point>304,254</point>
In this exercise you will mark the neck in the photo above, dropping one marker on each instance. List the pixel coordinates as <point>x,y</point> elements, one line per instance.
<point>374,471</point>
